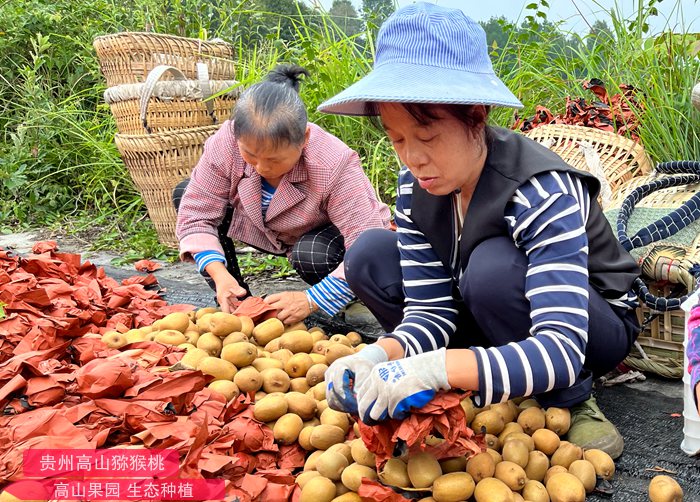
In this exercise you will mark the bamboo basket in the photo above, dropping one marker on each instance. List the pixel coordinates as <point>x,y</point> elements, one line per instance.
<point>621,158</point>
<point>128,57</point>
<point>664,266</point>
<point>156,106</point>
<point>157,163</point>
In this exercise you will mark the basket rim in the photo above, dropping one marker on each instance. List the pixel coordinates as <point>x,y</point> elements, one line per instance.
<point>151,34</point>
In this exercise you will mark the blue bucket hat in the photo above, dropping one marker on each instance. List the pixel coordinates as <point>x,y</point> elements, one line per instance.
<point>426,54</point>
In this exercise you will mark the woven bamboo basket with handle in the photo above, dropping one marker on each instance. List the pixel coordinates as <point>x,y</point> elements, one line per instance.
<point>128,57</point>
<point>160,106</point>
<point>157,163</point>
<point>621,158</point>
<point>665,266</point>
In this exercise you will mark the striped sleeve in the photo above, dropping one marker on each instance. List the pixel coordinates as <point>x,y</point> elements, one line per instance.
<point>204,258</point>
<point>430,313</point>
<point>331,294</point>
<point>547,217</point>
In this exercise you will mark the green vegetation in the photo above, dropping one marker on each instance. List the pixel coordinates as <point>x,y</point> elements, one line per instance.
<point>59,167</point>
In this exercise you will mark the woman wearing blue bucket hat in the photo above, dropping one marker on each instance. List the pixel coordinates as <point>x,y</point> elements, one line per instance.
<point>504,277</point>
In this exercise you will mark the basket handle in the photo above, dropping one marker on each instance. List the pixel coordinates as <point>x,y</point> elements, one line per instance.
<point>687,172</point>
<point>155,75</point>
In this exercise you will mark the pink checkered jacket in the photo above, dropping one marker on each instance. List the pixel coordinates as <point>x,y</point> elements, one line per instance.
<point>327,185</point>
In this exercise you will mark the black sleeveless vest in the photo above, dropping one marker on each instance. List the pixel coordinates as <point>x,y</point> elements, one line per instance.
<point>511,160</point>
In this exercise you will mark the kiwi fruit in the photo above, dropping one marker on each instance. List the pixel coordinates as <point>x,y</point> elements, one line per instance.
<point>537,465</point>
<point>515,451</point>
<point>275,380</point>
<point>305,436</point>
<point>337,418</point>
<point>423,468</point>
<point>395,473</point>
<point>492,490</point>
<point>239,354</point>
<point>114,339</point>
<point>192,358</point>
<point>602,463</point>
<point>264,363</point>
<point>318,489</point>
<point>335,351</point>
<point>555,469</point>
<point>558,420</point>
<point>323,436</point>
<point>585,472</point>
<point>453,487</point>
<point>297,341</point>
<point>361,455</point>
<point>270,408</point>
<point>236,336</point>
<point>455,464</point>
<point>566,453</point>
<point>248,379</point>
<point>316,373</point>
<point>664,488</point>
<point>565,487</point>
<point>535,491</point>
<point>310,464</point>
<point>546,440</point>
<point>287,428</point>
<point>511,474</point>
<point>331,464</point>
<point>297,365</point>
<point>267,331</point>
<point>343,448</point>
<point>178,321</point>
<point>531,419</point>
<point>489,421</point>
<point>210,343</point>
<point>510,428</point>
<point>469,409</point>
<point>304,477</point>
<point>218,368</point>
<point>480,466</point>
<point>226,388</point>
<point>353,474</point>
<point>348,497</point>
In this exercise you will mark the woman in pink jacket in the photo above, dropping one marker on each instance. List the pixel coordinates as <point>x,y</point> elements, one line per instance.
<point>273,180</point>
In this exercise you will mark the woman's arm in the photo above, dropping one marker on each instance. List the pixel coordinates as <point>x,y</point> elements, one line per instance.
<point>547,218</point>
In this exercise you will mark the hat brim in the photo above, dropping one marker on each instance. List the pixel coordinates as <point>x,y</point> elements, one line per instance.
<point>410,83</point>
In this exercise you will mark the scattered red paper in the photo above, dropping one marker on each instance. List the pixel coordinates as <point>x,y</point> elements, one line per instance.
<point>617,113</point>
<point>146,266</point>
<point>374,491</point>
<point>61,387</point>
<point>256,308</point>
<point>443,415</point>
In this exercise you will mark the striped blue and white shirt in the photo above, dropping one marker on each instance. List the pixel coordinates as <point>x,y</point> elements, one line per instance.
<point>547,217</point>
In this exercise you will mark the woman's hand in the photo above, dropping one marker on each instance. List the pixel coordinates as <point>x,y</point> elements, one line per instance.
<point>228,291</point>
<point>393,388</point>
<point>292,306</point>
<point>346,374</point>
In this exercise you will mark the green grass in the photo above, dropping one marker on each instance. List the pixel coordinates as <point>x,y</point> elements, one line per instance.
<point>59,168</point>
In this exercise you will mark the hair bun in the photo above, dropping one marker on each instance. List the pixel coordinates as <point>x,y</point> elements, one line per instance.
<point>288,74</point>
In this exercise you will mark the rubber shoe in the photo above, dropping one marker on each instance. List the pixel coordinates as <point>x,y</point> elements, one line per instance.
<point>590,429</point>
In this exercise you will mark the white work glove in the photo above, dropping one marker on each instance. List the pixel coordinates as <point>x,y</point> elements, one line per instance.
<point>346,373</point>
<point>394,387</point>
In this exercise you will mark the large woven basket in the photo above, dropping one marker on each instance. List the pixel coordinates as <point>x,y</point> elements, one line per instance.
<point>621,158</point>
<point>157,106</point>
<point>157,163</point>
<point>129,57</point>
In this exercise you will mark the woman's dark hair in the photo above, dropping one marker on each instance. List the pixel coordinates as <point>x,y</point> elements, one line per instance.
<point>473,117</point>
<point>271,111</point>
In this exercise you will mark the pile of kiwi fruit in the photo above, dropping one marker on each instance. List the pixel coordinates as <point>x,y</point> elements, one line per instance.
<point>525,457</point>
